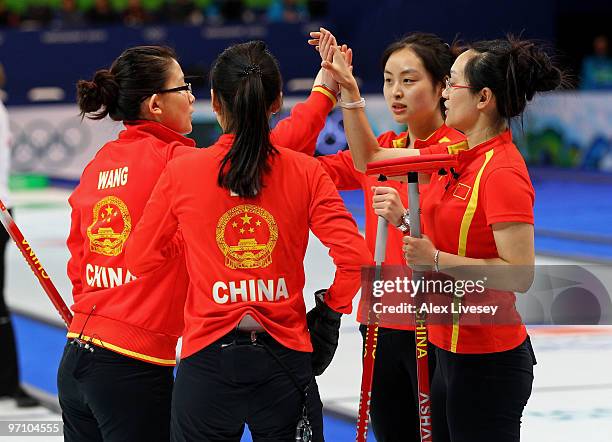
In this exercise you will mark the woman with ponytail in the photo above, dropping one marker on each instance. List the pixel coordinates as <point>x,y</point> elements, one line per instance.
<point>480,215</point>
<point>245,207</point>
<point>116,375</point>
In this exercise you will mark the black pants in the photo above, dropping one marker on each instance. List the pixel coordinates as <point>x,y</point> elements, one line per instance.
<point>9,373</point>
<point>481,397</point>
<point>109,397</point>
<point>393,407</point>
<point>232,382</point>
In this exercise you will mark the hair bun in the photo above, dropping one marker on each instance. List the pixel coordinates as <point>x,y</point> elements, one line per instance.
<point>103,90</point>
<point>87,87</point>
<point>535,68</point>
<point>547,77</point>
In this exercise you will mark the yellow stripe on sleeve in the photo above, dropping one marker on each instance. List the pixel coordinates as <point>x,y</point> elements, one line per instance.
<point>325,92</point>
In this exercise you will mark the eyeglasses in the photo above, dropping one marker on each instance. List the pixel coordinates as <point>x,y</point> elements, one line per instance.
<point>186,87</point>
<point>450,86</point>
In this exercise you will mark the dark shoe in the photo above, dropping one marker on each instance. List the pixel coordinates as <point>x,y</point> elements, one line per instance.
<point>24,400</point>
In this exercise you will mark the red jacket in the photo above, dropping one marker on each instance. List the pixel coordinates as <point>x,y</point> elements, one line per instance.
<point>246,256</point>
<point>493,186</point>
<point>340,167</point>
<point>142,319</point>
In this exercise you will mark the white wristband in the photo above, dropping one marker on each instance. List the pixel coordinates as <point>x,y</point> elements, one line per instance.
<point>353,105</point>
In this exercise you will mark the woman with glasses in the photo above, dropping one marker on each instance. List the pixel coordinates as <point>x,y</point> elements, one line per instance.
<point>116,375</point>
<point>480,216</point>
<point>414,70</point>
<point>246,353</point>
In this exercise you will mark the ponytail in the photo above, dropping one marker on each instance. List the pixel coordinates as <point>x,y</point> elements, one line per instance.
<point>247,81</point>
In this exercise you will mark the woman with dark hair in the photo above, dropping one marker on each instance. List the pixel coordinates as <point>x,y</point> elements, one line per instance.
<point>116,375</point>
<point>480,216</point>
<point>414,70</point>
<point>245,207</point>
<point>115,378</point>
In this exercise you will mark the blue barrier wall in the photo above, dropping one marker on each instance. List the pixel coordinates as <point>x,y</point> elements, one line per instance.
<point>59,58</point>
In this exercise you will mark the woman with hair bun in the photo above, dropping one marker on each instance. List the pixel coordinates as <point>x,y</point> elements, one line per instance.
<point>245,207</point>
<point>116,375</point>
<point>482,215</point>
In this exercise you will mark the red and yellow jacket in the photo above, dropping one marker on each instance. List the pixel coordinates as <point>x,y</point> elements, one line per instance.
<point>246,256</point>
<point>340,167</point>
<point>493,186</point>
<point>143,317</point>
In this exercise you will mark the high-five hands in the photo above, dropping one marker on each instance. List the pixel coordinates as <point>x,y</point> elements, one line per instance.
<point>335,60</point>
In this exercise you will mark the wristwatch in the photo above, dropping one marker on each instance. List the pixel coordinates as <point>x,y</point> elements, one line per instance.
<point>404,225</point>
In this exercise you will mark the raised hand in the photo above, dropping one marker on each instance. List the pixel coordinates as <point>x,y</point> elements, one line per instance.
<point>339,68</point>
<point>324,42</point>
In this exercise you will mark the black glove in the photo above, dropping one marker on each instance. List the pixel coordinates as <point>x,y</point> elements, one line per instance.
<point>324,326</point>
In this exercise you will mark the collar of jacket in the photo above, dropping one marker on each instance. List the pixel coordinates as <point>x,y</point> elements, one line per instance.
<point>137,128</point>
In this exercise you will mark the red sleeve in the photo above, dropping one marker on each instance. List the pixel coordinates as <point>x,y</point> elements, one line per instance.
<point>75,246</point>
<point>176,150</point>
<point>300,130</point>
<point>441,148</point>
<point>445,148</point>
<point>334,226</point>
<point>508,196</point>
<point>340,168</point>
<point>156,237</point>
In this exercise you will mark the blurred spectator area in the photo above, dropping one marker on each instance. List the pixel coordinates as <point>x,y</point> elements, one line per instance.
<point>35,14</point>
<point>583,31</point>
<point>69,39</point>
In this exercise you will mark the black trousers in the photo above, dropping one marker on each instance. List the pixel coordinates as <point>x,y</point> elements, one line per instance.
<point>393,406</point>
<point>9,372</point>
<point>232,382</point>
<point>108,397</point>
<point>481,397</point>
